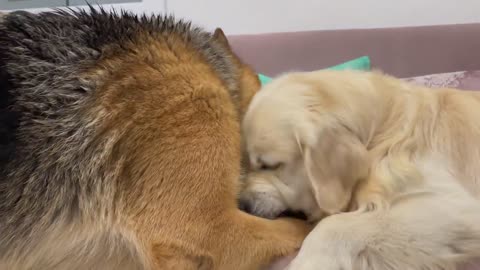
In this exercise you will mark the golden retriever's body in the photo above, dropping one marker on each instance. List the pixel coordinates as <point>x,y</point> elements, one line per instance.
<point>127,147</point>
<point>403,160</point>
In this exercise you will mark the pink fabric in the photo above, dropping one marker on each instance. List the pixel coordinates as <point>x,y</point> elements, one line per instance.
<point>466,80</point>
<point>475,265</point>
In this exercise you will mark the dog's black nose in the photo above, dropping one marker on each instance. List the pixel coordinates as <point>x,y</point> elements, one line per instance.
<point>294,214</point>
<point>245,206</point>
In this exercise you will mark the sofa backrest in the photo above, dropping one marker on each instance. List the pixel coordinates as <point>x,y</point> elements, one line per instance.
<point>402,52</point>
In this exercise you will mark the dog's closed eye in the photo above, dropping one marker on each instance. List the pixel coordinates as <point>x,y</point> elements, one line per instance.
<point>268,166</point>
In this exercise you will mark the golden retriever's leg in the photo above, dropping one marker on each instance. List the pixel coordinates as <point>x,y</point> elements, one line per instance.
<point>420,231</point>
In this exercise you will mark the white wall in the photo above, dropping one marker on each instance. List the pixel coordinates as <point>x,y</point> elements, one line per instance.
<point>259,16</point>
<point>146,6</point>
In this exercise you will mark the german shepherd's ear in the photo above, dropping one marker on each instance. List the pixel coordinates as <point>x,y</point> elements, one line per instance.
<point>220,37</point>
<point>249,82</point>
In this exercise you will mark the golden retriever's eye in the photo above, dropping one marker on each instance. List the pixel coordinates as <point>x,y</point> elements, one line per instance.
<point>269,167</point>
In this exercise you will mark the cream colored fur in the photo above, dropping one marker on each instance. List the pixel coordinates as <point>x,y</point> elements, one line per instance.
<point>394,166</point>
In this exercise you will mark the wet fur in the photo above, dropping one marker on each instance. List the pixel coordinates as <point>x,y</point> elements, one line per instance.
<point>120,147</point>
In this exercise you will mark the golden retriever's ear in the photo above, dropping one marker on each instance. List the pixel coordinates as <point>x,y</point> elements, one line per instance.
<point>334,166</point>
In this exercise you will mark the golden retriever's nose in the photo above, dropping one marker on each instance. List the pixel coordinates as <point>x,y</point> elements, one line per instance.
<point>245,206</point>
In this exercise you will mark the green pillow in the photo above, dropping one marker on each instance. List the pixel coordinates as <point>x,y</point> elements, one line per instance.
<point>361,63</point>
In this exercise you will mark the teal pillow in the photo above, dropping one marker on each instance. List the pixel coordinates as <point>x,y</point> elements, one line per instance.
<point>361,63</point>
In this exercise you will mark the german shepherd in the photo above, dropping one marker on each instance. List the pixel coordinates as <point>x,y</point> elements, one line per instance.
<point>120,147</point>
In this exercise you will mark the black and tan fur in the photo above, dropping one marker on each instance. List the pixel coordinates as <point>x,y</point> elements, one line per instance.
<point>120,147</point>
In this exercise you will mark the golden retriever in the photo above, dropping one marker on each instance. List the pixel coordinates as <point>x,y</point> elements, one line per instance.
<point>394,168</point>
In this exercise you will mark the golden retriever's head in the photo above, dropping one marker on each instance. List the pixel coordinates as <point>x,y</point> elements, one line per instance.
<point>305,154</point>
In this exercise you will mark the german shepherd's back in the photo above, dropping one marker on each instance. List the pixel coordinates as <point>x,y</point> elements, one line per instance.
<point>119,147</point>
